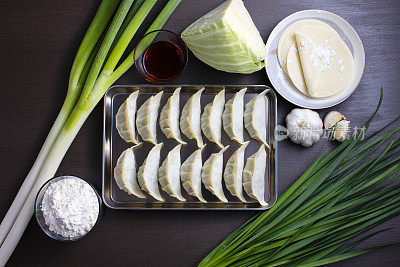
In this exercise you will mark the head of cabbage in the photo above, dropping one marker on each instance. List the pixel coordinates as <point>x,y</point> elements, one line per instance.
<point>227,39</point>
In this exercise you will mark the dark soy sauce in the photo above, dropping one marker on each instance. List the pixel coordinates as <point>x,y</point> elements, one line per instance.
<point>163,60</point>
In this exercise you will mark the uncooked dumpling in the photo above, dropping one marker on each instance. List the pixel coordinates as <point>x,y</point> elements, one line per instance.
<point>125,119</point>
<point>190,118</point>
<point>125,173</point>
<point>211,119</point>
<point>211,174</point>
<point>169,173</point>
<point>255,118</point>
<point>148,173</point>
<point>234,171</point>
<point>191,175</point>
<point>253,175</point>
<point>146,120</point>
<point>169,117</point>
<point>232,118</point>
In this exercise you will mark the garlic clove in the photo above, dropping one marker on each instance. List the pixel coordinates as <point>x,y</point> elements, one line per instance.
<point>332,118</point>
<point>342,130</point>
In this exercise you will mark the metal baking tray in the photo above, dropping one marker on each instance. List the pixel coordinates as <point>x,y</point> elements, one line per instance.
<point>113,145</point>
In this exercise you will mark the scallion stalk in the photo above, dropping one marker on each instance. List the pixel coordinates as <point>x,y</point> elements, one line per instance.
<point>96,28</point>
<point>100,76</point>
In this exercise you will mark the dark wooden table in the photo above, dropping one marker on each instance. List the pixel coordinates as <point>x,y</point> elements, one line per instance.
<point>38,42</point>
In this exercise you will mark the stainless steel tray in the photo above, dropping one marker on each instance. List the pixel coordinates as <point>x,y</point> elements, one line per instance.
<point>113,145</point>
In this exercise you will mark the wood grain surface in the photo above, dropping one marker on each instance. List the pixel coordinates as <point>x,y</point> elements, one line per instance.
<point>39,39</point>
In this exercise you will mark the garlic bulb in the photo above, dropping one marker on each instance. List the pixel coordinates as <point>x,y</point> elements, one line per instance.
<point>332,118</point>
<point>342,130</point>
<point>304,126</point>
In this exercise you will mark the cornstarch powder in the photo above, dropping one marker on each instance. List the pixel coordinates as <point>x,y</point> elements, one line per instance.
<point>70,207</point>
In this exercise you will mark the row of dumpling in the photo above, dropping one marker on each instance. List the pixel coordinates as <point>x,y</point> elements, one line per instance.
<point>192,173</point>
<point>191,121</point>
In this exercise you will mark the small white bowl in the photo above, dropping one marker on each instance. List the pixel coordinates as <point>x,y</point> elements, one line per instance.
<point>280,81</point>
<point>39,214</point>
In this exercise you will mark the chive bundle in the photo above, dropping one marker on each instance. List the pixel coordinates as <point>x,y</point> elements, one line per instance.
<point>321,217</point>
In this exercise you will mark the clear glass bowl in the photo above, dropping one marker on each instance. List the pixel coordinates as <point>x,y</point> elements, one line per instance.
<point>39,214</point>
<point>156,45</point>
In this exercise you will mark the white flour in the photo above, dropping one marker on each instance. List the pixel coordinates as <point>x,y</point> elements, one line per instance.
<point>321,55</point>
<point>70,207</point>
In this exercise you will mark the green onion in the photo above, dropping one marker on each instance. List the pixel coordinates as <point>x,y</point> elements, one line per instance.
<point>94,70</point>
<point>77,77</point>
<point>341,196</point>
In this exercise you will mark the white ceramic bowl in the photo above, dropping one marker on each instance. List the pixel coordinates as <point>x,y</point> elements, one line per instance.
<point>280,81</point>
